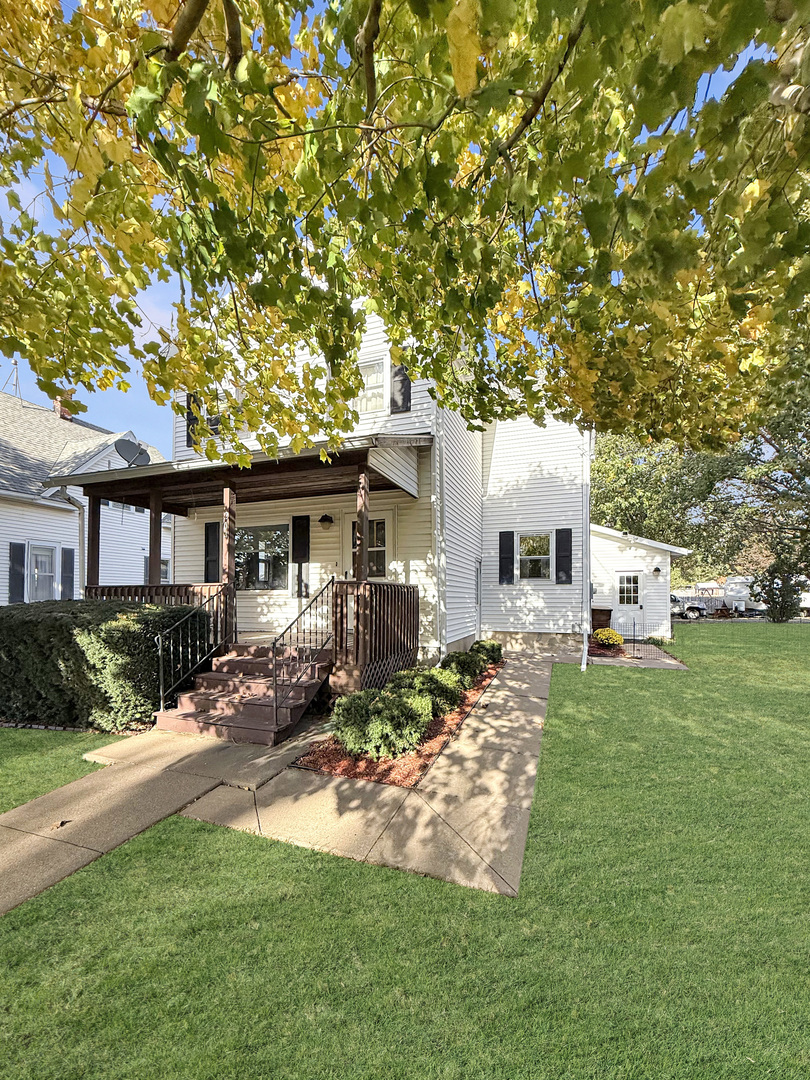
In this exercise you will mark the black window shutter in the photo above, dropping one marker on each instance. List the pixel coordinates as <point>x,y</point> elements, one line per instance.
<point>213,568</point>
<point>400,389</point>
<point>146,569</point>
<point>506,558</point>
<point>68,572</point>
<point>191,419</point>
<point>16,573</point>
<point>563,556</point>
<point>300,553</point>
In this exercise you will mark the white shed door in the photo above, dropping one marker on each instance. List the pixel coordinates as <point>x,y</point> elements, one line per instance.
<point>629,601</point>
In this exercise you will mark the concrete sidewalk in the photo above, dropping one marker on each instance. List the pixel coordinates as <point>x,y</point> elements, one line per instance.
<point>467,822</point>
<point>150,777</point>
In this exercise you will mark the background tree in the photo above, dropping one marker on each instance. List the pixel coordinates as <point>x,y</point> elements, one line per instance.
<point>545,202</point>
<point>779,585</point>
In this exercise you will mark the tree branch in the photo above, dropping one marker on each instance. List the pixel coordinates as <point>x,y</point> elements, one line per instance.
<point>187,22</point>
<point>364,46</point>
<point>538,98</point>
<point>233,40</point>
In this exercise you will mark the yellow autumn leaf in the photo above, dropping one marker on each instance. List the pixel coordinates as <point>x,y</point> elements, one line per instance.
<point>464,44</point>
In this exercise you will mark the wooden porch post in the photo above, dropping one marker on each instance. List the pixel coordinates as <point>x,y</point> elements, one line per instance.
<point>93,538</point>
<point>155,533</point>
<point>229,552</point>
<point>361,553</point>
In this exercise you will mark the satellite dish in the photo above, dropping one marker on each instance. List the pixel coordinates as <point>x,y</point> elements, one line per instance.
<point>132,453</point>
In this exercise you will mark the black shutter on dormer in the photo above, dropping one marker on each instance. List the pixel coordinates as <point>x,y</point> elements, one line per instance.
<point>299,553</point>
<point>68,573</point>
<point>16,573</point>
<point>400,389</point>
<point>213,567</point>
<point>506,558</point>
<point>563,556</point>
<point>191,419</point>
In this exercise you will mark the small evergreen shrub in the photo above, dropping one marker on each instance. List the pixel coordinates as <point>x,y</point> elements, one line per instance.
<point>467,665</point>
<point>382,724</point>
<point>350,717</point>
<point>607,637</point>
<point>443,687</point>
<point>492,651</point>
<point>83,663</point>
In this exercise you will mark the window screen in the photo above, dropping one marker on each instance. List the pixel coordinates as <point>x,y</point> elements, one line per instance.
<point>535,556</point>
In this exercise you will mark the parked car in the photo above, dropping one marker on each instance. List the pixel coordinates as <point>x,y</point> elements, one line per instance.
<point>687,609</point>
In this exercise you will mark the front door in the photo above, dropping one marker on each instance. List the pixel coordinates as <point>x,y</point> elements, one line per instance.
<point>629,614</point>
<point>380,545</point>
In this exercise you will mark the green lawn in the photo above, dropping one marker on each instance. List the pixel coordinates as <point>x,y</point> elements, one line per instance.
<point>33,762</point>
<point>661,930</point>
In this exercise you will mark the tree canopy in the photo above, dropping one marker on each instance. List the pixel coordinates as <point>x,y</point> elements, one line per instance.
<point>546,203</point>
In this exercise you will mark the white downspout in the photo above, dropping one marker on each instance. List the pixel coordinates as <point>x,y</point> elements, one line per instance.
<point>438,526</point>
<point>587,454</point>
<point>81,508</point>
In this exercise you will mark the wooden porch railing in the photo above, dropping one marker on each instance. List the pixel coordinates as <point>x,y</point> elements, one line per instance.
<point>376,629</point>
<point>221,607</point>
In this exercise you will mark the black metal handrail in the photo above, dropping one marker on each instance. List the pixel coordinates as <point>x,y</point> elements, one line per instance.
<point>189,642</point>
<point>299,648</point>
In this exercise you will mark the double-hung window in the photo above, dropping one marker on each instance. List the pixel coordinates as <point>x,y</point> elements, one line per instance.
<point>263,558</point>
<point>371,398</point>
<point>534,553</point>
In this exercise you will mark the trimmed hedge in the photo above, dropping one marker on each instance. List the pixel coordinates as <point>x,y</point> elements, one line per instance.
<point>467,665</point>
<point>492,651</point>
<point>442,687</point>
<point>83,663</point>
<point>382,724</point>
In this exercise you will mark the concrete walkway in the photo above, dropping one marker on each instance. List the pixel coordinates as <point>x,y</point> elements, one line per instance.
<point>467,822</point>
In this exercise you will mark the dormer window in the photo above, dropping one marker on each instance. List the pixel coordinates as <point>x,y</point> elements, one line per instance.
<point>371,398</point>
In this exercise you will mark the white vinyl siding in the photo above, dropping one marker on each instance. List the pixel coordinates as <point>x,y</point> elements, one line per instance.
<point>613,557</point>
<point>412,558</point>
<point>399,464</point>
<point>461,458</point>
<point>375,346</point>
<point>31,523</point>
<point>534,482</point>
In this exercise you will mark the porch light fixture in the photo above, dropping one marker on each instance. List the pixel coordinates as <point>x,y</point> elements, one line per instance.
<point>326,521</point>
<point>657,572</point>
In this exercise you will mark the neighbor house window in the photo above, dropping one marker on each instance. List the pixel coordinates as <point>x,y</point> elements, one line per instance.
<point>534,552</point>
<point>41,573</point>
<point>371,398</point>
<point>117,505</point>
<point>628,590</point>
<point>263,557</point>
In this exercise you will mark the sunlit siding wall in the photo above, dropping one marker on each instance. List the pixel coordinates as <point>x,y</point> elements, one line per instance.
<point>611,557</point>
<point>462,525</point>
<point>411,558</point>
<point>419,420</point>
<point>534,480</point>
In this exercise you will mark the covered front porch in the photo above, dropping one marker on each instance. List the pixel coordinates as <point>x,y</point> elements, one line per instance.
<point>266,585</point>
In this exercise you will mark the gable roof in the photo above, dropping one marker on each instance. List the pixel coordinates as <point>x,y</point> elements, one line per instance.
<point>615,534</point>
<point>33,439</point>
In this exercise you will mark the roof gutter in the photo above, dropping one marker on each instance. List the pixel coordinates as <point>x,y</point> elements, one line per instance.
<point>37,500</point>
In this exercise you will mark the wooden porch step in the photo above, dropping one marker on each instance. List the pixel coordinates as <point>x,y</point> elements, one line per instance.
<point>230,728</point>
<point>252,685</point>
<point>237,663</point>
<point>247,705</point>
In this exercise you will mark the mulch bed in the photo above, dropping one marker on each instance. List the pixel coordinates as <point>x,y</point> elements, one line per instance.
<point>406,771</point>
<point>595,649</point>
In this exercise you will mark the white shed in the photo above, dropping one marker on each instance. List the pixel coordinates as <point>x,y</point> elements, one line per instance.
<point>630,576</point>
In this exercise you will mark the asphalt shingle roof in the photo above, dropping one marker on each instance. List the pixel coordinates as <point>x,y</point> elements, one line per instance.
<point>35,443</point>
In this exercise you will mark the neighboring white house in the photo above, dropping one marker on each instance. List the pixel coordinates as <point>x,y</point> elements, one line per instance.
<point>43,529</point>
<point>630,576</point>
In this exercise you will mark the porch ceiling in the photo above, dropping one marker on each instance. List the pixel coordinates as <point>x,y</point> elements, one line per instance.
<point>184,486</point>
